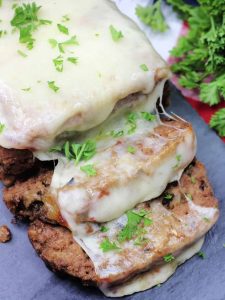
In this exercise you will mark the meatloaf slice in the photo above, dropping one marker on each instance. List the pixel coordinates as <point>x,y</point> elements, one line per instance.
<point>55,244</point>
<point>13,163</point>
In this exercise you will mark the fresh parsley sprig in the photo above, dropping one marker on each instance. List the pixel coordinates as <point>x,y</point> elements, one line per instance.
<point>78,152</point>
<point>27,21</point>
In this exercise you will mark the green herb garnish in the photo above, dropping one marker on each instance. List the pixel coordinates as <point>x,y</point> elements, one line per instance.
<point>52,86</point>
<point>116,35</point>
<point>65,18</point>
<point>73,60</point>
<point>201,59</point>
<point>27,21</point>
<point>21,53</point>
<point>89,170</point>
<point>131,149</point>
<point>70,42</point>
<point>148,117</point>
<point>116,134</point>
<point>107,246</point>
<point>77,152</point>
<point>27,89</point>
<point>2,127</point>
<point>152,16</point>
<point>104,229</point>
<point>201,254</point>
<point>168,258</point>
<point>144,67</point>
<point>63,29</point>
<point>58,63</point>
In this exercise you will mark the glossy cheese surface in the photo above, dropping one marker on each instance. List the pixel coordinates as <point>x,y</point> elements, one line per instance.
<point>106,71</point>
<point>154,277</point>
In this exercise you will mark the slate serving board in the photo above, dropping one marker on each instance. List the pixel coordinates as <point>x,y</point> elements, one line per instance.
<point>23,276</point>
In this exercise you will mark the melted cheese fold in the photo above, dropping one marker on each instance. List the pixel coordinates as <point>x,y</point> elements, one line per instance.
<point>106,72</point>
<point>154,277</point>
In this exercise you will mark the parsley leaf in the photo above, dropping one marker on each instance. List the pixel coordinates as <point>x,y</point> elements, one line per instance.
<point>131,149</point>
<point>65,18</point>
<point>89,170</point>
<point>107,246</point>
<point>104,229</point>
<point>147,116</point>
<point>2,127</point>
<point>116,35</point>
<point>63,29</point>
<point>26,20</point>
<point>58,63</point>
<point>152,16</point>
<point>73,60</point>
<point>132,228</point>
<point>70,42</point>
<point>52,86</point>
<point>77,152</point>
<point>21,53</point>
<point>201,60</point>
<point>144,67</point>
<point>217,121</point>
<point>168,258</point>
<point>201,254</point>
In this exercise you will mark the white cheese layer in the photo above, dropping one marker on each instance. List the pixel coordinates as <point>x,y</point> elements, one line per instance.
<point>106,71</point>
<point>154,277</point>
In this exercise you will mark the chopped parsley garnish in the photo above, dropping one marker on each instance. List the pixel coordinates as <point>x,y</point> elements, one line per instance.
<point>73,60</point>
<point>2,127</point>
<point>189,196</point>
<point>168,258</point>
<point>107,246</point>
<point>2,33</point>
<point>52,86</point>
<point>201,254</point>
<point>63,29</point>
<point>207,220</point>
<point>77,152</point>
<point>116,134</point>
<point>140,241</point>
<point>89,170</point>
<point>168,196</point>
<point>53,43</point>
<point>178,159</point>
<point>134,227</point>
<point>131,149</point>
<point>132,122</point>
<point>65,18</point>
<point>218,121</point>
<point>193,179</point>
<point>27,89</point>
<point>116,35</point>
<point>152,16</point>
<point>148,117</point>
<point>70,42</point>
<point>26,20</point>
<point>144,67</point>
<point>58,63</point>
<point>104,229</point>
<point>21,53</point>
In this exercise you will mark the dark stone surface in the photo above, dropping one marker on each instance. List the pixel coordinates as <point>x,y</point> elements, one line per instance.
<point>23,276</point>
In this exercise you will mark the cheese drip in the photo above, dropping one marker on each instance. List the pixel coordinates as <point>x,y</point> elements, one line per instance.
<point>153,277</point>
<point>106,71</point>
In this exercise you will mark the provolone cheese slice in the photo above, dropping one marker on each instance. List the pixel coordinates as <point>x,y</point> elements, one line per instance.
<point>106,71</point>
<point>153,277</point>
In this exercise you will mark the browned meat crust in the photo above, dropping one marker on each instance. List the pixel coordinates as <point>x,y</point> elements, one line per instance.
<point>5,234</point>
<point>54,244</point>
<point>28,197</point>
<point>13,163</point>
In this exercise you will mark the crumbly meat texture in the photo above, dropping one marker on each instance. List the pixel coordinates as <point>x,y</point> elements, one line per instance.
<point>13,163</point>
<point>5,234</point>
<point>55,245</point>
<point>28,197</point>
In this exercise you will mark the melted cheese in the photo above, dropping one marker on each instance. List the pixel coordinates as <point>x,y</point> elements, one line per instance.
<point>106,72</point>
<point>154,277</point>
